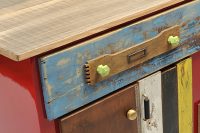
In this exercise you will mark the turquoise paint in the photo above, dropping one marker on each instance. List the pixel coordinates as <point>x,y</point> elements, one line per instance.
<point>64,70</point>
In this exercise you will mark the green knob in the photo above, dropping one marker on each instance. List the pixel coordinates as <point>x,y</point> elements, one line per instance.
<point>174,40</point>
<point>103,70</point>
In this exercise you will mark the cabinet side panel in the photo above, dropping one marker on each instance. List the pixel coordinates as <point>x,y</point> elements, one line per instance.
<point>196,88</point>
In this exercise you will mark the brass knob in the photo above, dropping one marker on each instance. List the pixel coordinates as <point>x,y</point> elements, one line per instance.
<point>131,114</point>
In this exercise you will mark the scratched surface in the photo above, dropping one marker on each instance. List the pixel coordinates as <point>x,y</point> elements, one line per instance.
<point>184,72</point>
<point>62,73</point>
<point>151,88</point>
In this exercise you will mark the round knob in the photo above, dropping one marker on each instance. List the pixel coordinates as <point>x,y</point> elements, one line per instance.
<point>174,40</point>
<point>103,70</point>
<point>131,114</point>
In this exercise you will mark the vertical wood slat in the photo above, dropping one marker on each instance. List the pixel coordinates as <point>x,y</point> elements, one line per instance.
<point>170,101</point>
<point>184,72</point>
<point>151,88</point>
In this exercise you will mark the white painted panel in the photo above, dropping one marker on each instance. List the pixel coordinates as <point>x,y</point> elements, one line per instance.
<point>151,88</point>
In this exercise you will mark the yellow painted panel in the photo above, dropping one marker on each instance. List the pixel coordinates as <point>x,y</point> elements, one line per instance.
<point>184,70</point>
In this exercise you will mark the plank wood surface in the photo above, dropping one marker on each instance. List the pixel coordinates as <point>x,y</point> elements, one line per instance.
<point>185,110</point>
<point>31,27</point>
<point>11,6</point>
<point>107,115</point>
<point>170,100</point>
<point>150,87</point>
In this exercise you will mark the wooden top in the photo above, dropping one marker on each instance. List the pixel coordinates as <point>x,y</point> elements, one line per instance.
<point>32,27</point>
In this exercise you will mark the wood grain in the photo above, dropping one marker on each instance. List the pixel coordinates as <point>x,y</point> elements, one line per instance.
<point>185,108</point>
<point>151,88</point>
<point>11,6</point>
<point>32,27</point>
<point>105,116</point>
<point>170,100</point>
<point>63,77</point>
<point>118,62</point>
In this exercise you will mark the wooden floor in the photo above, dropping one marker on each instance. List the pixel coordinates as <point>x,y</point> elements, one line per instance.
<point>31,27</point>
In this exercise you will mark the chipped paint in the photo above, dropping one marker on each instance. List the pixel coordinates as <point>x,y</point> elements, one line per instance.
<point>68,81</point>
<point>47,85</point>
<point>79,72</point>
<point>49,88</point>
<point>151,88</point>
<point>63,62</point>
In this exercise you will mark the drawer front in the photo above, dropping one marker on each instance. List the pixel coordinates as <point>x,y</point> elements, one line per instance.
<point>63,75</point>
<point>108,115</point>
<point>150,98</point>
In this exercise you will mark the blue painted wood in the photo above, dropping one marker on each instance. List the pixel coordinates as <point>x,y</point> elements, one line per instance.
<point>62,73</point>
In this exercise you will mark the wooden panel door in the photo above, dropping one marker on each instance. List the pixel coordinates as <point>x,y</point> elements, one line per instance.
<point>108,115</point>
<point>185,111</point>
<point>150,98</point>
<point>170,100</point>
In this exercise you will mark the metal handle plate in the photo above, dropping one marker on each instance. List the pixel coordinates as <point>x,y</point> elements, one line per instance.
<point>136,55</point>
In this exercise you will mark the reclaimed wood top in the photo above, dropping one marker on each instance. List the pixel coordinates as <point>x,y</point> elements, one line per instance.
<point>31,27</point>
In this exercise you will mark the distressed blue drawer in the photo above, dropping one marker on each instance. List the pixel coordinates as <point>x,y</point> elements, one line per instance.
<point>62,73</point>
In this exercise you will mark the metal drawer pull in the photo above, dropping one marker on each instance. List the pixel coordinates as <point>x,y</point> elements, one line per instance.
<point>136,55</point>
<point>146,108</point>
<point>108,65</point>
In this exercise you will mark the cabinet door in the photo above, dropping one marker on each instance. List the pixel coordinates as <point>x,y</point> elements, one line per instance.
<point>150,98</point>
<point>170,100</point>
<point>108,115</point>
<point>184,72</point>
